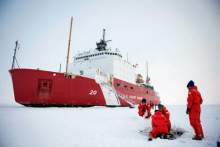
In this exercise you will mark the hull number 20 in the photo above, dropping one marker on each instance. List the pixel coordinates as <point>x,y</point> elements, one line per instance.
<point>93,92</point>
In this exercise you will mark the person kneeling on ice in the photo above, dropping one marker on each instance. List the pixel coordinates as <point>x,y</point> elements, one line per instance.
<point>144,109</point>
<point>165,113</point>
<point>159,125</point>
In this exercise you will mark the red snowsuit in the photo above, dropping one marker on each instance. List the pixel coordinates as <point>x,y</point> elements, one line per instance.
<point>166,113</point>
<point>159,125</point>
<point>142,109</point>
<point>194,101</point>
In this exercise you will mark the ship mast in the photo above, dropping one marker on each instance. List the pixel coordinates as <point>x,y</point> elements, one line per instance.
<point>102,44</point>
<point>67,60</point>
<point>14,57</point>
<point>103,34</point>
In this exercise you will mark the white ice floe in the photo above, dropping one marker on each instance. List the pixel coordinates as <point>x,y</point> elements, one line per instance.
<point>97,127</point>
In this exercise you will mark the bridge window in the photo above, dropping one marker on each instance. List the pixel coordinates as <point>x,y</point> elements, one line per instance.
<point>132,87</point>
<point>125,86</point>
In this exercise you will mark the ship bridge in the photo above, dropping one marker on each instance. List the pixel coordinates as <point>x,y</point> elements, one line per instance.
<point>104,62</point>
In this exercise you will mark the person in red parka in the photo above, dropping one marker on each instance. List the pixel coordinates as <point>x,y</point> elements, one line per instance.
<point>165,113</point>
<point>194,101</point>
<point>159,125</point>
<point>144,109</point>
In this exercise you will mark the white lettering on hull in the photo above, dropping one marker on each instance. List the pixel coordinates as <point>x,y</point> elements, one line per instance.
<point>132,97</point>
<point>93,92</point>
<point>140,98</point>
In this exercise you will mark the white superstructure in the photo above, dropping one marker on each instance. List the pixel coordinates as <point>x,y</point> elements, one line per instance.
<point>106,66</point>
<point>106,63</point>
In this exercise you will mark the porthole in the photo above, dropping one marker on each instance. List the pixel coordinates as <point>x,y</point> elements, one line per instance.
<point>118,85</point>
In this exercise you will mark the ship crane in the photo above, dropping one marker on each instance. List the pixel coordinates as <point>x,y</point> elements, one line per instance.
<point>148,78</point>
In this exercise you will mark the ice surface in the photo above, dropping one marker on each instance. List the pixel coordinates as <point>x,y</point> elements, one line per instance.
<point>97,127</point>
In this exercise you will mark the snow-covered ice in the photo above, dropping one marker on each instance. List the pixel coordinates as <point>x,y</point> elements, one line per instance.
<point>97,127</point>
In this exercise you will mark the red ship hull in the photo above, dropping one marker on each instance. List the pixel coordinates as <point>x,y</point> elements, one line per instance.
<point>46,88</point>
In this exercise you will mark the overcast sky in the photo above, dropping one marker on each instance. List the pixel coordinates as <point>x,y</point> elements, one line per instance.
<point>179,39</point>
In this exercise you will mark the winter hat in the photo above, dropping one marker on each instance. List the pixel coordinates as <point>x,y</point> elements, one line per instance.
<point>160,106</point>
<point>143,100</point>
<point>190,84</point>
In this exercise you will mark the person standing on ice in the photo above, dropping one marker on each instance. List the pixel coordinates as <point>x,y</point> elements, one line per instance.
<point>144,109</point>
<point>194,101</point>
<point>165,113</point>
<point>159,125</point>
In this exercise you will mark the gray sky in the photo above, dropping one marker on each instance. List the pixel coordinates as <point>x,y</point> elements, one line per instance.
<point>179,39</point>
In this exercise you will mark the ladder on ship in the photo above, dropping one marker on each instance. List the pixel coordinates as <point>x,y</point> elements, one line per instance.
<point>119,94</point>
